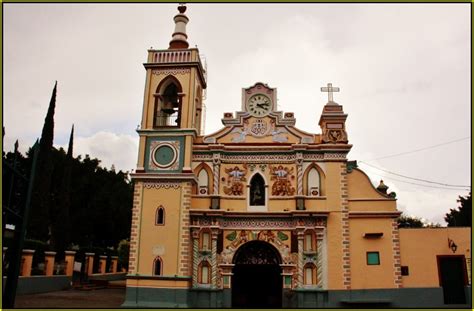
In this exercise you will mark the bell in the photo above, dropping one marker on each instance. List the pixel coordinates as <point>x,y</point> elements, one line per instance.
<point>168,107</point>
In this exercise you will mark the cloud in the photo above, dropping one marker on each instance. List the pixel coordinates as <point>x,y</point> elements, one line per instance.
<point>112,149</point>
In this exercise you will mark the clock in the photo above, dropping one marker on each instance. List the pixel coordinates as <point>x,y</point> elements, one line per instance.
<point>259,105</point>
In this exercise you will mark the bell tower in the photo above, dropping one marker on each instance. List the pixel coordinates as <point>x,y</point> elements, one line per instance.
<point>172,105</point>
<point>171,120</point>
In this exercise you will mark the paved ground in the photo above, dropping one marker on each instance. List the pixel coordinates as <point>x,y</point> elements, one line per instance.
<point>99,298</point>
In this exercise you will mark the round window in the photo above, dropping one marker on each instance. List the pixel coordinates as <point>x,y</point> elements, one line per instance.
<point>164,155</point>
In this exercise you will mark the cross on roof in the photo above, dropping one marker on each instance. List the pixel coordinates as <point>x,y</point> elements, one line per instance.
<point>330,89</point>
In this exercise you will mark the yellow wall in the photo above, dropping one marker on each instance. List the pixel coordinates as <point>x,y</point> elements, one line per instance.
<point>419,248</point>
<point>371,276</point>
<point>152,235</point>
<point>334,251</point>
<point>361,187</point>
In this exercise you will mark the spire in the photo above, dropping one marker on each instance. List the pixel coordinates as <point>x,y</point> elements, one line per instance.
<point>71,140</point>
<point>179,40</point>
<point>48,128</point>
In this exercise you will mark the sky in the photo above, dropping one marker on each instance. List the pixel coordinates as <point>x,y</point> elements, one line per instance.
<point>403,72</point>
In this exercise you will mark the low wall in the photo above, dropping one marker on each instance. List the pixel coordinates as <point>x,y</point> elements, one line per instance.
<point>143,297</point>
<point>41,284</point>
<point>108,276</point>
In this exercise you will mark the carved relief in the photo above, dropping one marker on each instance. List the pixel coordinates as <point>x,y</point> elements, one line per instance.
<point>275,238</point>
<point>281,177</point>
<point>235,179</point>
<point>334,135</point>
<point>260,128</point>
<point>171,71</point>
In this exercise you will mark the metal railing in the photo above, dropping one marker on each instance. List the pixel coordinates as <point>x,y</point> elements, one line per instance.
<point>166,120</point>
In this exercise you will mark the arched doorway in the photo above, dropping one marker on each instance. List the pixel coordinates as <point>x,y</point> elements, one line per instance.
<point>256,280</point>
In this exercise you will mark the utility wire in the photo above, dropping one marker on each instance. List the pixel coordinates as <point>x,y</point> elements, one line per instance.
<point>413,178</point>
<point>421,149</point>
<point>412,183</point>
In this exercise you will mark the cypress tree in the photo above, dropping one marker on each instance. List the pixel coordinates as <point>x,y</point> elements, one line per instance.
<point>39,224</point>
<point>60,212</point>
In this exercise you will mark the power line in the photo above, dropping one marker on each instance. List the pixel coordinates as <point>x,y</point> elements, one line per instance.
<point>421,149</point>
<point>413,178</point>
<point>412,183</point>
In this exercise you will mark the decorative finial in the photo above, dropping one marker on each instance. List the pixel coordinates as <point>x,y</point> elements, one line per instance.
<point>182,7</point>
<point>382,187</point>
<point>179,39</point>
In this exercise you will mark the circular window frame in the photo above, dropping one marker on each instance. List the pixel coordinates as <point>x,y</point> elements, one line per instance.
<point>173,160</point>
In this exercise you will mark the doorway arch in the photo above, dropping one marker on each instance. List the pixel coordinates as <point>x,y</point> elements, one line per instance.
<point>257,280</point>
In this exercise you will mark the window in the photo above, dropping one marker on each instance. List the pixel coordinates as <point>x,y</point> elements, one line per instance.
<point>160,216</point>
<point>257,190</point>
<point>157,266</point>
<point>204,273</point>
<point>405,270</point>
<point>309,274</point>
<point>205,240</point>
<point>203,182</point>
<point>309,241</point>
<point>373,258</point>
<point>313,183</point>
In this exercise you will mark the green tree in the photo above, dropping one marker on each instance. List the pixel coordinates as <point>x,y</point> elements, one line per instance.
<point>409,222</point>
<point>39,222</point>
<point>461,216</point>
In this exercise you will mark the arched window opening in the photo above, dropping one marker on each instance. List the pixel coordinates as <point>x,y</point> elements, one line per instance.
<point>257,190</point>
<point>168,104</point>
<point>205,240</point>
<point>160,216</point>
<point>203,182</point>
<point>314,183</point>
<point>309,241</point>
<point>204,273</point>
<point>158,266</point>
<point>309,274</point>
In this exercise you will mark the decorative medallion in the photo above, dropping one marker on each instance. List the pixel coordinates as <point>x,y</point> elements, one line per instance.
<point>164,155</point>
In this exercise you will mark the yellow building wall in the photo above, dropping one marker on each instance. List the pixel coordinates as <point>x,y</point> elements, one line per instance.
<point>360,186</point>
<point>382,205</point>
<point>152,236</point>
<point>371,276</point>
<point>419,248</point>
<point>334,252</point>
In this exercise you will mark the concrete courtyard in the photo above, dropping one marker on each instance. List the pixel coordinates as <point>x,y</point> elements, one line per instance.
<point>99,298</point>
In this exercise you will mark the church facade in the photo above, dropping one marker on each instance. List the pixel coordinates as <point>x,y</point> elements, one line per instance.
<point>258,214</point>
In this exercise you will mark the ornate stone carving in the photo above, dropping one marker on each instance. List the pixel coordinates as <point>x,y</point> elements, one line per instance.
<point>282,184</point>
<point>235,179</point>
<point>334,136</point>
<point>164,185</point>
<point>171,71</point>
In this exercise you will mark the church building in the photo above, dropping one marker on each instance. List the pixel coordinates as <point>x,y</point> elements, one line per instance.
<point>261,213</point>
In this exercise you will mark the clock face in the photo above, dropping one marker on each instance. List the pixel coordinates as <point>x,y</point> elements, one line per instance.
<point>259,105</point>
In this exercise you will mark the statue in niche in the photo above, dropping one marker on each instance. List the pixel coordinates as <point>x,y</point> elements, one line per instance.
<point>236,177</point>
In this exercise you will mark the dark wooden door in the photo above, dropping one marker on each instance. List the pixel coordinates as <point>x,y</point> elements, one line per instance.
<point>452,274</point>
<point>257,280</point>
